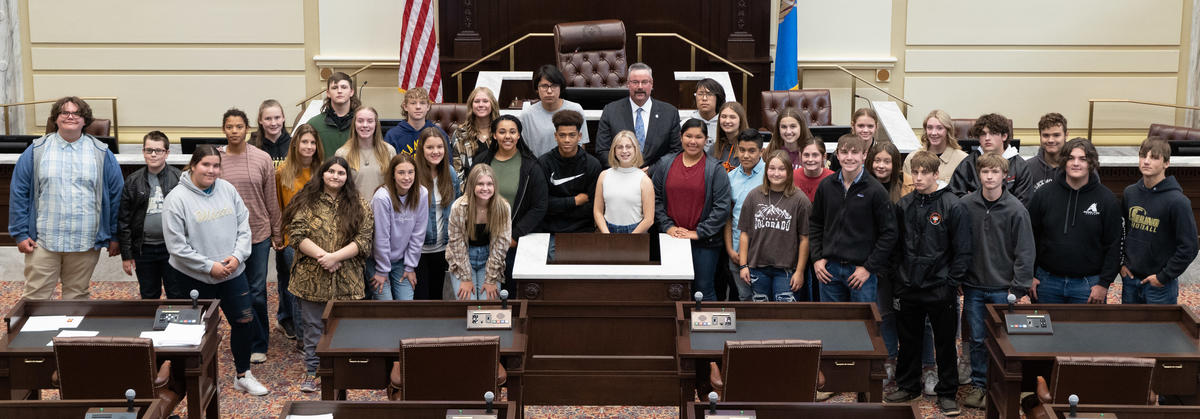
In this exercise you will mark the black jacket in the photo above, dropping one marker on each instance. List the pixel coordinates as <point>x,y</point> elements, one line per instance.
<point>132,215</point>
<point>566,178</point>
<point>718,201</point>
<point>1078,232</point>
<point>934,252</point>
<point>1004,251</point>
<point>277,149</point>
<point>856,225</point>
<point>966,180</point>
<point>530,204</point>
<point>1160,231</point>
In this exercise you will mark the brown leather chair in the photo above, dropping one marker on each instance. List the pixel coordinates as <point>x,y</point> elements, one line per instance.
<point>447,368</point>
<point>104,367</point>
<point>1096,380</point>
<point>768,371</point>
<point>99,128</point>
<point>591,53</point>
<point>962,127</point>
<point>1174,132</point>
<point>448,116</point>
<point>813,102</point>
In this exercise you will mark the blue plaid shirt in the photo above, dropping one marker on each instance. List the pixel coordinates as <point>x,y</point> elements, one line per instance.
<point>68,214</point>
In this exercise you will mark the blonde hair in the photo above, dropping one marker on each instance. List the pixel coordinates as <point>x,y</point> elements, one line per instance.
<point>637,150</point>
<point>469,124</point>
<point>416,93</point>
<point>497,208</point>
<point>943,118</point>
<point>377,144</point>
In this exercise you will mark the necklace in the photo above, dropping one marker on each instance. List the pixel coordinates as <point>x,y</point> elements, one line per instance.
<point>777,201</point>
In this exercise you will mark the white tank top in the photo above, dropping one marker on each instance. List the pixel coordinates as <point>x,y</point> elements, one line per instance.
<point>623,195</point>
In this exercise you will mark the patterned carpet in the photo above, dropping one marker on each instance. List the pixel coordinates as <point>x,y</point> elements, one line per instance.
<point>285,367</point>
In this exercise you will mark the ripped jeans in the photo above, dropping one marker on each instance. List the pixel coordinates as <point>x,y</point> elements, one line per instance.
<point>235,304</point>
<point>771,284</point>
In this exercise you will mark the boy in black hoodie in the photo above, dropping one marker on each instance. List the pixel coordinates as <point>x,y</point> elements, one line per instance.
<point>571,175</point>
<point>934,253</point>
<point>1160,233</point>
<point>1077,225</point>
<point>1052,133</point>
<point>993,132</point>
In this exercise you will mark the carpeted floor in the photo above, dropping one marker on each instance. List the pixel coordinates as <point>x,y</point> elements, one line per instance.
<point>284,369</point>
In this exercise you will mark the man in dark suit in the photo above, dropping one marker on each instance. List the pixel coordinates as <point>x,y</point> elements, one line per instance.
<point>655,123</point>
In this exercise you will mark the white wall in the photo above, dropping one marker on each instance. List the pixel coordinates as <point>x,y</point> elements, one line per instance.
<point>361,28</point>
<point>841,30</point>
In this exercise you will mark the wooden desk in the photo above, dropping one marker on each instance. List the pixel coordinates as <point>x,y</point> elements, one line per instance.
<point>388,410</point>
<point>362,340</point>
<point>72,409</point>
<point>696,410</point>
<point>1164,332</point>
<point>1056,411</point>
<point>852,352</point>
<point>26,363</point>
<point>668,277</point>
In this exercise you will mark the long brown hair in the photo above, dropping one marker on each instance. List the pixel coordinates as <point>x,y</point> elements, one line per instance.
<point>895,182</point>
<point>256,139</point>
<point>497,209</point>
<point>722,139</point>
<point>348,210</point>
<point>425,172</point>
<point>377,144</point>
<point>777,142</point>
<point>291,167</point>
<point>413,194</point>
<point>789,184</point>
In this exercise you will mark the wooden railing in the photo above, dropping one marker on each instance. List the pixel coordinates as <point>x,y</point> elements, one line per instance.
<point>746,74</point>
<point>1092,108</point>
<point>112,99</point>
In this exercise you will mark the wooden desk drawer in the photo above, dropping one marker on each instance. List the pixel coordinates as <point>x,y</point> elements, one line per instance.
<point>1175,377</point>
<point>846,374</point>
<point>361,372</point>
<point>32,371</point>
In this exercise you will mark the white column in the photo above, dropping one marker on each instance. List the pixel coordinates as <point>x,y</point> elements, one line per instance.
<point>11,84</point>
<point>1192,118</point>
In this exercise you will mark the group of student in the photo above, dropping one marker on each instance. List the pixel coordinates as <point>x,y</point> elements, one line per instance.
<point>388,216</point>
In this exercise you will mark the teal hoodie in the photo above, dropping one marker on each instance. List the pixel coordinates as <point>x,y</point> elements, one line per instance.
<point>202,228</point>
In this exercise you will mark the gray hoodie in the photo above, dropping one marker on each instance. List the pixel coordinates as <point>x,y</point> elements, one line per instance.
<point>1004,251</point>
<point>202,228</point>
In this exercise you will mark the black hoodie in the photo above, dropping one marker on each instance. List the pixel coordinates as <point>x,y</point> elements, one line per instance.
<point>934,250</point>
<point>568,177</point>
<point>1040,171</point>
<point>530,204</point>
<point>1160,231</point>
<point>966,179</point>
<point>1078,232</point>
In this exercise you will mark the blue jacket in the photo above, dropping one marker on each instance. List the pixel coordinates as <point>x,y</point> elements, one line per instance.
<point>22,195</point>
<point>431,229</point>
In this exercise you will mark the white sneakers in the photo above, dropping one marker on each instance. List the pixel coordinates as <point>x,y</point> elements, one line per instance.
<point>249,385</point>
<point>258,358</point>
<point>930,379</point>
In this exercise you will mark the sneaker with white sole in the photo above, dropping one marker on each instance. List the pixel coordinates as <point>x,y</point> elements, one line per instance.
<point>930,380</point>
<point>890,368</point>
<point>258,358</point>
<point>249,385</point>
<point>309,385</point>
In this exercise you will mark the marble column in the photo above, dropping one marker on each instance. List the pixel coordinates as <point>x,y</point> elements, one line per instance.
<point>11,83</point>
<point>1192,118</point>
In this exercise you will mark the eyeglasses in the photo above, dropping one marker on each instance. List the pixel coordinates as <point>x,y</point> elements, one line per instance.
<point>640,82</point>
<point>66,114</point>
<point>546,86</point>
<point>154,151</point>
<point>704,94</point>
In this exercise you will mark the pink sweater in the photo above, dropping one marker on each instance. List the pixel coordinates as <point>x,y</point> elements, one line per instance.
<point>252,173</point>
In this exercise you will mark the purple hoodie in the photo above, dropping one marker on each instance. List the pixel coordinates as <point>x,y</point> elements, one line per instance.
<point>398,235</point>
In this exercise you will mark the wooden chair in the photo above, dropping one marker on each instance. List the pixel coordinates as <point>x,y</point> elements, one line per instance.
<point>447,368</point>
<point>1105,380</point>
<point>768,371</point>
<point>104,367</point>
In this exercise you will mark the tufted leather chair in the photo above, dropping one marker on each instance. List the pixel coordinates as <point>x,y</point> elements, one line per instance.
<point>448,115</point>
<point>447,368</point>
<point>768,371</point>
<point>1105,380</point>
<point>1174,132</point>
<point>99,128</point>
<point>962,127</point>
<point>104,367</point>
<point>591,53</point>
<point>814,102</point>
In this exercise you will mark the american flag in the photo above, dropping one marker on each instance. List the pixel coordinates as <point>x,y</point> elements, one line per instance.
<point>419,66</point>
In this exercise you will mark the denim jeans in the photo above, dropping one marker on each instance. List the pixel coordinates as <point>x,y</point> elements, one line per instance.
<point>289,312</point>
<point>1054,289</point>
<point>1134,291</point>
<point>616,229</point>
<point>745,292</point>
<point>891,339</point>
<point>770,283</point>
<point>974,312</point>
<point>811,291</point>
<point>396,287</point>
<point>154,274</point>
<point>235,304</point>
<point>704,267</point>
<point>478,256</point>
<point>838,290</point>
<point>256,280</point>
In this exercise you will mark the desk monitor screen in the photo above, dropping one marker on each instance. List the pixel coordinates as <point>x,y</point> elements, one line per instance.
<point>829,133</point>
<point>594,97</point>
<point>188,144</point>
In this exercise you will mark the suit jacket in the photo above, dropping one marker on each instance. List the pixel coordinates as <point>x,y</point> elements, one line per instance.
<point>662,129</point>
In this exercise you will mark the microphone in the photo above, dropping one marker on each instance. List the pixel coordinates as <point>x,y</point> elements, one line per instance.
<point>488,397</point>
<point>698,296</point>
<point>503,299</point>
<point>872,105</point>
<point>1012,299</point>
<point>712,402</point>
<point>129,395</point>
<point>1074,401</point>
<point>195,296</point>
<point>360,90</point>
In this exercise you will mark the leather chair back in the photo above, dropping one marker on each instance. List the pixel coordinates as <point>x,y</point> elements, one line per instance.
<point>813,102</point>
<point>1174,132</point>
<point>1104,380</point>
<point>104,367</point>
<point>962,127</point>
<point>449,368</point>
<point>780,370</point>
<point>448,116</point>
<point>99,128</point>
<point>591,53</point>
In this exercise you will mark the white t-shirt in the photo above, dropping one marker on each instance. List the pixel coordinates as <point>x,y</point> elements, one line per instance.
<point>537,126</point>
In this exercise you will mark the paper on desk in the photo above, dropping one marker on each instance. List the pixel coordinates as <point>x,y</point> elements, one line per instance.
<point>47,323</point>
<point>74,334</point>
<point>324,416</point>
<point>177,335</point>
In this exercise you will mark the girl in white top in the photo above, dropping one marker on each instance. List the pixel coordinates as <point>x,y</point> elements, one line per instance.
<point>624,194</point>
